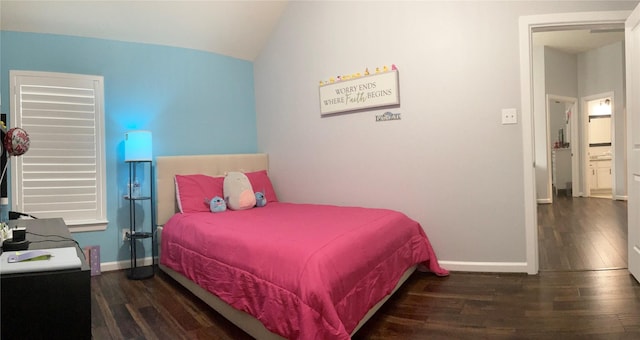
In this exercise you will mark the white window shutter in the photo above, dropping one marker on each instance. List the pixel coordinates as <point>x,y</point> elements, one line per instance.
<point>63,173</point>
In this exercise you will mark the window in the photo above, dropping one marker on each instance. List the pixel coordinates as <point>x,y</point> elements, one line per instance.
<point>63,173</point>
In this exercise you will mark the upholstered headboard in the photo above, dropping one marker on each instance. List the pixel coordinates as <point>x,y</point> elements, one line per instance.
<point>213,165</point>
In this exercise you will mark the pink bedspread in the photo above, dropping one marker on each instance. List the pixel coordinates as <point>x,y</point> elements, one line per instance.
<point>305,271</point>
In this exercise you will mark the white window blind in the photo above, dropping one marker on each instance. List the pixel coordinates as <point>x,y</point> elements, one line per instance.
<point>63,173</point>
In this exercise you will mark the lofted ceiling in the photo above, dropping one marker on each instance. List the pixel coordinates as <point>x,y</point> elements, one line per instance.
<point>238,29</point>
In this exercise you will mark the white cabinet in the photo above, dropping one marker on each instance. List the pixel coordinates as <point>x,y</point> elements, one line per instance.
<point>561,169</point>
<point>593,177</point>
<point>600,174</point>
<point>603,172</point>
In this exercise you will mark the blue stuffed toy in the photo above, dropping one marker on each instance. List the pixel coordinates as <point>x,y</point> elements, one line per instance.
<point>216,204</point>
<point>261,201</point>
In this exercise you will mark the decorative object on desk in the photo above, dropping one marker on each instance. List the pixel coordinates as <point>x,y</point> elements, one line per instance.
<point>5,232</point>
<point>34,255</point>
<point>12,245</point>
<point>19,233</point>
<point>14,238</point>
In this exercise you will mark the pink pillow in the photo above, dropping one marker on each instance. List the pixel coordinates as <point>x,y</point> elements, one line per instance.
<point>191,191</point>
<point>260,182</point>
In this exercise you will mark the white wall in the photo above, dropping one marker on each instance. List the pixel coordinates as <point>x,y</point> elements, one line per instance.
<point>449,163</point>
<point>561,72</point>
<point>601,71</point>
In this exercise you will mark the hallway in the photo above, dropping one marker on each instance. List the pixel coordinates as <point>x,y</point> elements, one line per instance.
<point>582,234</point>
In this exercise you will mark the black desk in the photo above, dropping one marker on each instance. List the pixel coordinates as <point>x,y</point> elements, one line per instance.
<point>46,305</point>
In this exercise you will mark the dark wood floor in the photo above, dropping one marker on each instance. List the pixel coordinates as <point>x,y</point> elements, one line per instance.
<point>576,295</point>
<point>572,305</point>
<point>582,233</point>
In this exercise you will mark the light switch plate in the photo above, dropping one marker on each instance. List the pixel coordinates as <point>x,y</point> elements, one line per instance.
<point>509,116</point>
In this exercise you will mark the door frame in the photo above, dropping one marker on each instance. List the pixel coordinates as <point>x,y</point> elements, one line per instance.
<point>528,24</point>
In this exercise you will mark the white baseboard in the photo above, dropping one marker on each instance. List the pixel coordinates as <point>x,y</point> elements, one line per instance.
<point>485,267</point>
<point>544,201</point>
<point>621,197</point>
<point>119,265</point>
<point>456,266</point>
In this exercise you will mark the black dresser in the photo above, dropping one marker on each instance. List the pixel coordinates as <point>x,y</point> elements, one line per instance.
<point>47,304</point>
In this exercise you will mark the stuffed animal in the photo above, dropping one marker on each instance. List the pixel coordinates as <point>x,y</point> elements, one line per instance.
<point>238,191</point>
<point>216,204</point>
<point>261,201</point>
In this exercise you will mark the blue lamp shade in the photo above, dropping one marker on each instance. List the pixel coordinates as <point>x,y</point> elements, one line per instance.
<point>137,146</point>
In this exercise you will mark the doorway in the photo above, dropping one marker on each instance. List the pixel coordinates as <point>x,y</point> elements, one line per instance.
<point>562,142</point>
<point>599,141</point>
<point>529,25</point>
<point>581,233</point>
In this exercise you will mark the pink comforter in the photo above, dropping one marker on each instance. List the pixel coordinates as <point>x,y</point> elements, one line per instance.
<point>305,271</point>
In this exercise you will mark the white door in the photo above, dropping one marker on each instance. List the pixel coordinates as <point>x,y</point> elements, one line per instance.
<point>632,48</point>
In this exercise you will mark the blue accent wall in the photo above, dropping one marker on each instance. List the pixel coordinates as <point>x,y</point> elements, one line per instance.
<point>194,102</point>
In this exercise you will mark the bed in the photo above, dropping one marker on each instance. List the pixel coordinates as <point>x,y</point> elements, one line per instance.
<point>297,271</point>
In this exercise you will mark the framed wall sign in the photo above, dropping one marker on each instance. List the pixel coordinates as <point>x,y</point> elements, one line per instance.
<point>374,90</point>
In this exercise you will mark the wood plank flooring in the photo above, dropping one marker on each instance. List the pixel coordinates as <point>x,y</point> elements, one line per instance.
<point>582,233</point>
<point>572,305</point>
<point>576,295</point>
